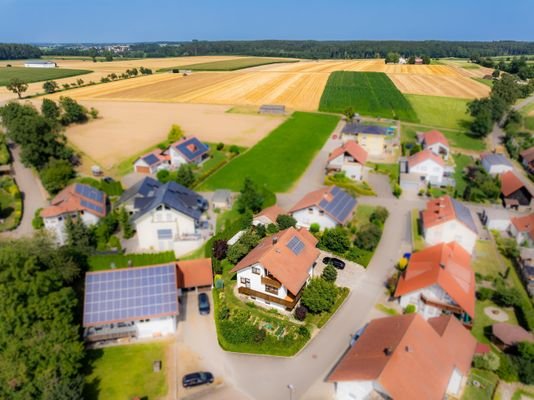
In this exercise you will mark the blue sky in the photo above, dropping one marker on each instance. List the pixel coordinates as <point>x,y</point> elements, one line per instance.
<point>154,20</point>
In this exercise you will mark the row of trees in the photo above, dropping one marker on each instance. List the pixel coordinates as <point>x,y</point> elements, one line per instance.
<point>394,58</point>
<point>14,51</point>
<point>516,66</point>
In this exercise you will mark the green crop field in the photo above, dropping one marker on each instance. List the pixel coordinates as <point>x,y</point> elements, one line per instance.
<point>231,65</point>
<point>278,160</point>
<point>368,93</point>
<point>440,112</point>
<point>37,74</point>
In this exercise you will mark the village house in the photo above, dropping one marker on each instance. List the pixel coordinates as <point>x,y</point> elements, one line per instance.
<point>527,159</point>
<point>328,207</point>
<point>371,138</point>
<point>436,142</point>
<point>276,271</point>
<point>425,168</point>
<point>268,215</point>
<point>349,158</point>
<point>526,265</point>
<point>80,202</point>
<point>495,163</point>
<point>514,193</point>
<point>222,199</point>
<point>40,64</point>
<point>522,229</point>
<point>406,357</point>
<point>152,162</point>
<point>447,220</point>
<point>437,280</point>
<point>188,151</point>
<point>133,198</point>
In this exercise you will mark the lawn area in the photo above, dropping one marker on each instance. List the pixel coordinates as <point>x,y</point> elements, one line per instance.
<point>441,112</point>
<point>125,372</point>
<point>103,262</point>
<point>391,170</point>
<point>461,161</point>
<point>487,82</point>
<point>272,161</point>
<point>488,382</point>
<point>483,323</point>
<point>529,394</point>
<point>355,188</point>
<point>37,74</point>
<point>368,93</point>
<point>484,262</point>
<point>231,65</point>
<point>528,122</point>
<point>457,139</point>
<point>362,215</point>
<point>10,204</point>
<point>418,242</point>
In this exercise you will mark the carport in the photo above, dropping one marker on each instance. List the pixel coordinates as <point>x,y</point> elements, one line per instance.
<point>194,275</point>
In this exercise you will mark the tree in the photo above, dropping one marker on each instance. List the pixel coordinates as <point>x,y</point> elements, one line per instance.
<point>349,114</point>
<point>411,60</point>
<point>93,112</point>
<point>489,361</point>
<point>329,273</point>
<point>368,237</point>
<point>496,73</point>
<point>525,362</point>
<point>285,221</point>
<point>250,198</point>
<point>175,133</point>
<point>426,60</point>
<point>125,224</point>
<point>72,111</point>
<point>236,252</point>
<point>392,57</point>
<point>37,221</point>
<point>220,248</point>
<point>301,312</point>
<point>335,239</point>
<point>315,227</point>
<point>79,82</point>
<point>50,86</point>
<point>108,56</point>
<point>50,109</point>
<point>379,216</point>
<point>56,175</point>
<point>163,175</point>
<point>319,296</point>
<point>507,297</point>
<point>185,176</point>
<point>17,86</point>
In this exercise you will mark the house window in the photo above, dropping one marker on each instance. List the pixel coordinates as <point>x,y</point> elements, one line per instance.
<point>321,212</point>
<point>310,210</point>
<point>271,289</point>
<point>244,281</point>
<point>164,234</point>
<point>256,270</point>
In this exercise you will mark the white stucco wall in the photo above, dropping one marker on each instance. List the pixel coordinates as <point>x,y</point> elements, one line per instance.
<point>435,148</point>
<point>451,231</point>
<point>156,327</point>
<point>56,225</point>
<point>431,170</point>
<point>432,292</point>
<point>177,158</point>
<point>496,169</point>
<point>353,390</point>
<point>498,224</point>
<point>306,217</point>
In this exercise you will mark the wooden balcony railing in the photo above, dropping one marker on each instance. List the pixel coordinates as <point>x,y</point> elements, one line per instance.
<point>265,280</point>
<point>289,302</point>
<point>444,306</point>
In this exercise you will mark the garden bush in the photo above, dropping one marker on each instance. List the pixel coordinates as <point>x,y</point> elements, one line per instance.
<point>335,239</point>
<point>409,309</point>
<point>368,237</point>
<point>489,361</point>
<point>301,312</point>
<point>315,227</point>
<point>485,294</point>
<point>329,273</point>
<point>319,296</point>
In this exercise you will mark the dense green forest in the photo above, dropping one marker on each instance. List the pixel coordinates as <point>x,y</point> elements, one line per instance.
<point>13,51</point>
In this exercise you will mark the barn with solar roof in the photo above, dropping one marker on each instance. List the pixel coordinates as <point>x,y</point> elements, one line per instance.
<point>77,201</point>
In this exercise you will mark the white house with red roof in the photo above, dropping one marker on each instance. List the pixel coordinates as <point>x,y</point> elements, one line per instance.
<point>436,142</point>
<point>522,228</point>
<point>328,207</point>
<point>152,162</point>
<point>424,168</point>
<point>447,220</point>
<point>439,279</point>
<point>495,163</point>
<point>80,202</point>
<point>188,151</point>
<point>349,158</point>
<point>268,215</point>
<point>276,271</point>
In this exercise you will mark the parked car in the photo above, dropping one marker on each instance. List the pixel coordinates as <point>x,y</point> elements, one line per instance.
<point>336,262</point>
<point>197,378</point>
<point>203,304</point>
<point>108,179</point>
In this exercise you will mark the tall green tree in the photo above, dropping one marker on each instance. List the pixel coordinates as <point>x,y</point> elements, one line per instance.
<point>50,109</point>
<point>56,175</point>
<point>185,175</point>
<point>50,86</point>
<point>73,112</point>
<point>250,198</point>
<point>17,86</point>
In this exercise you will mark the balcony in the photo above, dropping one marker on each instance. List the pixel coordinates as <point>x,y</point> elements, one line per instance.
<point>266,280</point>
<point>443,306</point>
<point>288,302</point>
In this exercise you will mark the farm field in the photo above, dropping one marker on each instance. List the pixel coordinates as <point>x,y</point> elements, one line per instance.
<point>442,112</point>
<point>137,126</point>
<point>440,85</point>
<point>272,162</point>
<point>368,93</point>
<point>37,74</point>
<point>231,65</point>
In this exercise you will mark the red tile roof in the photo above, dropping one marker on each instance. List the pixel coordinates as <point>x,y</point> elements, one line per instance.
<point>271,213</point>
<point>525,224</point>
<point>433,137</point>
<point>194,273</point>
<point>528,155</point>
<point>510,183</point>
<point>353,149</point>
<point>273,254</point>
<point>444,209</point>
<point>422,156</point>
<point>447,265</point>
<point>408,356</point>
<point>70,201</point>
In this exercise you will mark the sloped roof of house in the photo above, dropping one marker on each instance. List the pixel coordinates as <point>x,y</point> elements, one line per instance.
<point>75,198</point>
<point>194,273</point>
<point>408,356</point>
<point>510,183</point>
<point>271,213</point>
<point>288,255</point>
<point>447,265</point>
<point>353,149</point>
<point>354,128</point>
<point>144,188</point>
<point>334,201</point>
<point>154,157</point>
<point>191,148</point>
<point>422,156</point>
<point>176,197</point>
<point>444,209</point>
<point>511,334</point>
<point>525,224</point>
<point>493,159</point>
<point>528,154</point>
<point>433,137</point>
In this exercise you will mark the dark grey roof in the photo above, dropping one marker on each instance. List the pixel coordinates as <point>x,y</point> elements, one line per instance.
<point>464,215</point>
<point>191,148</point>
<point>145,187</point>
<point>354,128</point>
<point>178,198</point>
<point>496,159</point>
<point>341,205</point>
<point>151,159</point>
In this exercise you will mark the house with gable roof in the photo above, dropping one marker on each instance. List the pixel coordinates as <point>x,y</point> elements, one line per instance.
<point>372,138</point>
<point>439,279</point>
<point>276,271</point>
<point>522,229</point>
<point>514,193</point>
<point>80,202</point>
<point>436,142</point>
<point>188,151</point>
<point>329,207</point>
<point>405,357</point>
<point>349,158</point>
<point>268,215</point>
<point>495,163</point>
<point>424,168</point>
<point>447,220</point>
<point>527,159</point>
<point>152,162</point>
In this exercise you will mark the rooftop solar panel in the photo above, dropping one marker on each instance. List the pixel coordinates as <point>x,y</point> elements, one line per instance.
<point>295,245</point>
<point>89,192</point>
<point>130,294</point>
<point>341,205</point>
<point>92,206</point>
<point>192,148</point>
<point>464,215</point>
<point>151,159</point>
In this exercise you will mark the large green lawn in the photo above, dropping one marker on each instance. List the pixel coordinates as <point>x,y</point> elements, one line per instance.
<point>37,74</point>
<point>458,139</point>
<point>125,372</point>
<point>461,161</point>
<point>368,93</point>
<point>278,160</point>
<point>231,65</point>
<point>440,112</point>
<point>488,382</point>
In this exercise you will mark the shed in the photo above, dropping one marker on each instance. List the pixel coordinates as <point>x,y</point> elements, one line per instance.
<point>496,219</point>
<point>276,109</point>
<point>194,274</point>
<point>222,198</point>
<point>508,335</point>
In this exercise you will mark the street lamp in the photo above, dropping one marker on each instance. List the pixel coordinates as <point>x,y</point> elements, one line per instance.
<point>291,388</point>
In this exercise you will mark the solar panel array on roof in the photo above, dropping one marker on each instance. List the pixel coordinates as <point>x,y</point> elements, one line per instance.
<point>464,215</point>
<point>92,206</point>
<point>295,245</point>
<point>130,294</point>
<point>341,205</point>
<point>151,159</point>
<point>369,129</point>
<point>89,192</point>
<point>192,148</point>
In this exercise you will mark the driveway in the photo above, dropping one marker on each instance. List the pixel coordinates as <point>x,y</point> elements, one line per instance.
<point>346,277</point>
<point>380,184</point>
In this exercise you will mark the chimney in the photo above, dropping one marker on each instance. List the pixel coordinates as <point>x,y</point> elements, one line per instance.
<point>275,239</point>
<point>408,349</point>
<point>388,351</point>
<point>442,265</point>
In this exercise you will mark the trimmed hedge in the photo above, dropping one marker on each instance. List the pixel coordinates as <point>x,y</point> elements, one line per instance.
<point>103,262</point>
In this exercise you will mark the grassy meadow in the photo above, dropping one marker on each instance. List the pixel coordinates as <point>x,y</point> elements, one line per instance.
<point>458,139</point>
<point>441,112</point>
<point>36,74</point>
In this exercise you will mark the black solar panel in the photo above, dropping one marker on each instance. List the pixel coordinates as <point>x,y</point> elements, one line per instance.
<point>151,159</point>
<point>341,205</point>
<point>192,148</point>
<point>295,245</point>
<point>92,206</point>
<point>130,294</point>
<point>464,215</point>
<point>89,192</point>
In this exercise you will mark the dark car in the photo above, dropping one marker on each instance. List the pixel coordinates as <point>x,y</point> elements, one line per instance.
<point>108,179</point>
<point>197,378</point>
<point>336,262</point>
<point>203,304</point>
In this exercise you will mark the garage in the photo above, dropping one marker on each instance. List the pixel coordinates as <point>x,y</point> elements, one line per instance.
<point>194,275</point>
<point>142,169</point>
